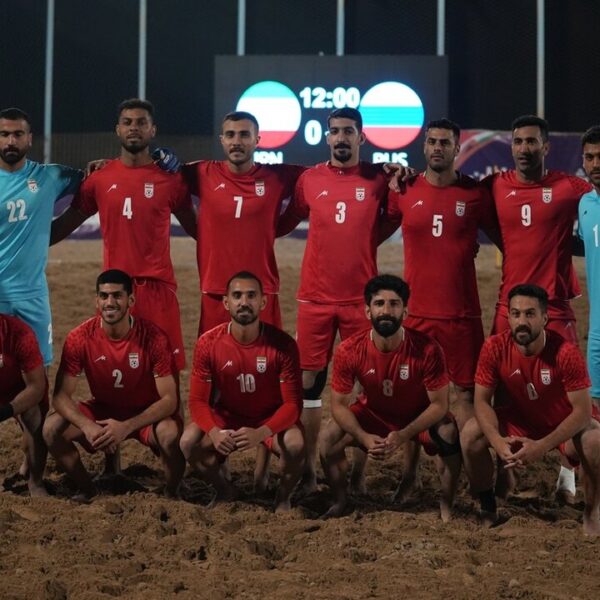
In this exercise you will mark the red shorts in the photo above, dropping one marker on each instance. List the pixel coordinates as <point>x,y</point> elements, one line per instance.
<point>213,313</point>
<point>508,428</point>
<point>374,424</point>
<point>157,302</point>
<point>461,341</point>
<point>317,326</point>
<point>237,423</point>
<point>565,327</point>
<point>99,413</point>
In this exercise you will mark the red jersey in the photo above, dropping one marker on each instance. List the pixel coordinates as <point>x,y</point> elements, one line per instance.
<point>439,230</point>
<point>536,224</point>
<point>258,382</point>
<point>237,220</point>
<point>345,207</point>
<point>135,206</point>
<point>532,389</point>
<point>120,373</point>
<point>19,353</point>
<point>395,384</point>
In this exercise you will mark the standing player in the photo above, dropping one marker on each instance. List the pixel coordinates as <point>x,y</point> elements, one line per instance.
<point>536,212</point>
<point>251,368</point>
<point>441,212</point>
<point>240,204</point>
<point>344,201</point>
<point>28,192</point>
<point>589,222</point>
<point>24,393</point>
<point>135,199</point>
<point>405,383</point>
<point>540,387</point>
<point>128,365</point>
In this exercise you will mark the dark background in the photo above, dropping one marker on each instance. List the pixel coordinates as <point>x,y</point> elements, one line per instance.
<point>491,50</point>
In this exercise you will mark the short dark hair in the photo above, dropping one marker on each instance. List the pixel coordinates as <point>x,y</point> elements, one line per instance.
<point>591,136</point>
<point>240,115</point>
<point>444,124</point>
<point>532,121</point>
<point>346,113</point>
<point>530,290</point>
<point>386,282</point>
<point>245,275</point>
<point>115,276</point>
<point>15,114</point>
<point>132,103</point>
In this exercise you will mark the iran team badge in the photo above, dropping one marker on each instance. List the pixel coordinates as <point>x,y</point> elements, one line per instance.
<point>404,373</point>
<point>149,190</point>
<point>360,194</point>
<point>261,364</point>
<point>33,186</point>
<point>545,375</point>
<point>259,188</point>
<point>460,208</point>
<point>134,360</point>
<point>547,195</point>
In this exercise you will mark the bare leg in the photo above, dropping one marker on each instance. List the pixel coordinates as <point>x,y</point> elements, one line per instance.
<point>448,468</point>
<point>290,447</point>
<point>335,465</point>
<point>36,449</point>
<point>59,435</point>
<point>166,436</point>
<point>261,469</point>
<point>112,463</point>
<point>463,405</point>
<point>209,462</point>
<point>312,414</point>
<point>411,452</point>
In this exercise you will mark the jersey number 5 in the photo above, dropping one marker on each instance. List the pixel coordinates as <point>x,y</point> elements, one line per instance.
<point>437,226</point>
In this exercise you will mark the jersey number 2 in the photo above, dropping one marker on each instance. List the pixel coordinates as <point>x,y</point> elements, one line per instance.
<point>16,210</point>
<point>118,375</point>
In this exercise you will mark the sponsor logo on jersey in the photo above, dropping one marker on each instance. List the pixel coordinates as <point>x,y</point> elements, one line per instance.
<point>370,372</point>
<point>418,203</point>
<point>323,193</point>
<point>512,193</point>
<point>360,194</point>
<point>259,188</point>
<point>261,364</point>
<point>547,195</point>
<point>221,186</point>
<point>33,186</point>
<point>149,190</point>
<point>112,187</point>
<point>404,372</point>
<point>101,357</point>
<point>545,374</point>
<point>134,360</point>
<point>515,372</point>
<point>460,208</point>
<point>229,363</point>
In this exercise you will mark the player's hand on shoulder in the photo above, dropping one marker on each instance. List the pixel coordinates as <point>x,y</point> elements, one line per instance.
<point>166,159</point>
<point>222,440</point>
<point>400,176</point>
<point>95,165</point>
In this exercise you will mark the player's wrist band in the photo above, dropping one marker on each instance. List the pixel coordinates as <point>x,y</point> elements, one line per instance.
<point>6,412</point>
<point>312,403</point>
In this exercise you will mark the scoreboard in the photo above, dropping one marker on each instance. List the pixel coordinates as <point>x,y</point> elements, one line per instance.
<point>291,97</point>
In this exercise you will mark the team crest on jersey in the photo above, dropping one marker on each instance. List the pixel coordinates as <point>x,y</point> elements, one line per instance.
<point>33,186</point>
<point>134,360</point>
<point>261,364</point>
<point>360,194</point>
<point>460,208</point>
<point>149,190</point>
<point>259,188</point>
<point>404,372</point>
<point>545,375</point>
<point>547,195</point>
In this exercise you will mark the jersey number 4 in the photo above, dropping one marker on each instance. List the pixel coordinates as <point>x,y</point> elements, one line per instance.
<point>127,208</point>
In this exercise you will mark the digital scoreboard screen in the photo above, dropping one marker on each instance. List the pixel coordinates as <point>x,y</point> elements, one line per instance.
<point>291,97</point>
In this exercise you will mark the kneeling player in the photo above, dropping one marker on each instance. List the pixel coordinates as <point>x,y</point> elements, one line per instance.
<point>129,368</point>
<point>540,387</point>
<point>405,384</point>
<point>24,393</point>
<point>253,372</point>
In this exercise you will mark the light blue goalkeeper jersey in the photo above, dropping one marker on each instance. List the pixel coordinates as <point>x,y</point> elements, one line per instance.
<point>27,198</point>
<point>589,232</point>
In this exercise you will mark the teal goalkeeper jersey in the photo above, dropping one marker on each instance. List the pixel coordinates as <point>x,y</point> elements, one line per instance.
<point>589,232</point>
<point>27,199</point>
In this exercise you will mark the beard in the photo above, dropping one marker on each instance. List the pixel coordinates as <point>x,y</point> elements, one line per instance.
<point>386,326</point>
<point>342,153</point>
<point>134,147</point>
<point>244,317</point>
<point>12,155</point>
<point>523,335</point>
